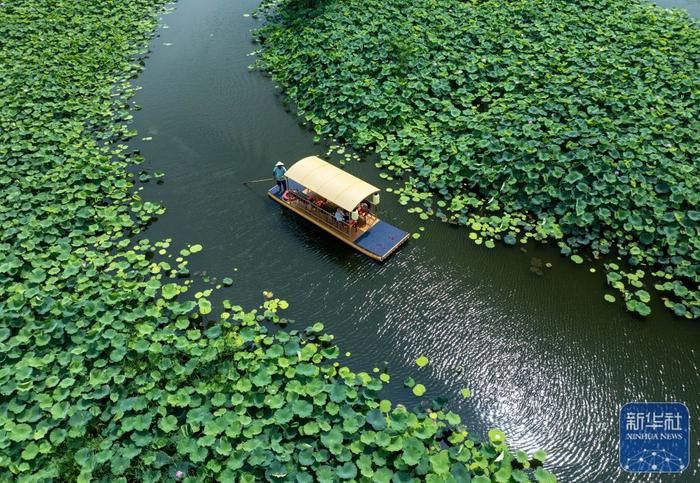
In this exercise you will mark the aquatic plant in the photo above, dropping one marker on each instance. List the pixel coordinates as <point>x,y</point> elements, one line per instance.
<point>577,122</point>
<point>111,369</point>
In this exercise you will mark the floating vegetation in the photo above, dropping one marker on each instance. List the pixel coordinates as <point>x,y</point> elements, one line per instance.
<point>577,122</point>
<point>112,370</point>
<point>422,361</point>
<point>577,259</point>
<point>419,389</point>
<point>630,285</point>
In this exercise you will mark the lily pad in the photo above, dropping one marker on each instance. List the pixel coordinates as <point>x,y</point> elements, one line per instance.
<point>419,389</point>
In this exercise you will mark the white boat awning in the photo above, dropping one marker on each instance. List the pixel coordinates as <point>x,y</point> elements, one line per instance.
<point>334,184</point>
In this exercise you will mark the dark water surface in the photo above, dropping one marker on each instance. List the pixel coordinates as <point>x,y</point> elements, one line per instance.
<point>547,359</point>
<point>691,6</point>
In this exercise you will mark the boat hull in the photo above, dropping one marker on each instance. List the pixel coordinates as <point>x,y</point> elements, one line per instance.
<point>378,243</point>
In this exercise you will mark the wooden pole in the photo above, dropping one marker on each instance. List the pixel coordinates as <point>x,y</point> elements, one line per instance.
<point>258,180</point>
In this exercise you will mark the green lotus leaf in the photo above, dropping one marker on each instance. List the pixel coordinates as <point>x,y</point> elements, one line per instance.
<point>204,306</point>
<point>30,451</point>
<point>302,408</point>
<point>540,455</point>
<point>520,476</point>
<point>413,451</point>
<point>213,332</point>
<point>57,436</point>
<point>325,474</point>
<point>376,419</point>
<point>643,295</point>
<point>168,423</point>
<point>20,432</point>
<point>509,239</point>
<point>170,291</point>
<point>544,476</point>
<point>419,390</point>
<point>338,393</point>
<point>504,474</point>
<point>283,415</point>
<point>261,378</point>
<point>440,463</point>
<point>306,457</point>
<point>310,428</point>
<point>453,418</point>
<point>496,436</point>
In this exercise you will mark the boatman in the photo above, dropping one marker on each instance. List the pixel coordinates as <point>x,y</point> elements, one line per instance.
<point>278,172</point>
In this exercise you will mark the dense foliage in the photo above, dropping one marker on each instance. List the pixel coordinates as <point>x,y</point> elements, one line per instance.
<point>110,371</point>
<point>577,121</point>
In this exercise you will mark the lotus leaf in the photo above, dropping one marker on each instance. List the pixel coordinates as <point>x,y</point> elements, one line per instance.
<point>496,436</point>
<point>544,476</point>
<point>418,389</point>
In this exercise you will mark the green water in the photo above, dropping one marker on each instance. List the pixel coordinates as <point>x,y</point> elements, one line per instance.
<point>547,359</point>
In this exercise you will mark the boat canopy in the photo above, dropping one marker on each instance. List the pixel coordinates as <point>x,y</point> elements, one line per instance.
<point>334,184</point>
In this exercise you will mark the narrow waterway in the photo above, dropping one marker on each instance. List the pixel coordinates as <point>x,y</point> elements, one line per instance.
<point>546,358</point>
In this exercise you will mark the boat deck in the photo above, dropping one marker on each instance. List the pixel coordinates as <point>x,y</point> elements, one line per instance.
<point>377,240</point>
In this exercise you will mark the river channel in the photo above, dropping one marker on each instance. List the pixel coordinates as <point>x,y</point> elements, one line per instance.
<point>546,358</point>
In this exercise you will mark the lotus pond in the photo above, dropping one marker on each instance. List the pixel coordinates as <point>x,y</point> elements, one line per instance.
<point>113,367</point>
<point>574,122</point>
<point>117,367</point>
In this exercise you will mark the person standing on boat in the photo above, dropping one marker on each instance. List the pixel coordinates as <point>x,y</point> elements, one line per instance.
<point>279,173</point>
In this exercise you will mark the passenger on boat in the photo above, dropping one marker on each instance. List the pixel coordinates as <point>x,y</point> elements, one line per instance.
<point>340,215</point>
<point>279,173</point>
<point>363,208</point>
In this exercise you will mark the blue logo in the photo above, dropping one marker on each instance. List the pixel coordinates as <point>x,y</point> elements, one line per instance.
<point>654,437</point>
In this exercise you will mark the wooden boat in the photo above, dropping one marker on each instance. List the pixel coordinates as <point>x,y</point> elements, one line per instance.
<point>320,192</point>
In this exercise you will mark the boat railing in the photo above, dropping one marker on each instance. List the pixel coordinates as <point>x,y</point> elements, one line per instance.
<point>299,199</point>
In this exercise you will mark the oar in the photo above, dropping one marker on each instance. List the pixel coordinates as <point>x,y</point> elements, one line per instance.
<point>257,180</point>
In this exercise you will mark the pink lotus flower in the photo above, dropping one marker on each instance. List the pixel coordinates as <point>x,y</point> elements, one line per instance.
<point>179,474</point>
